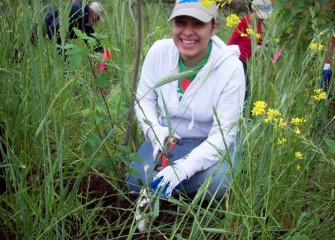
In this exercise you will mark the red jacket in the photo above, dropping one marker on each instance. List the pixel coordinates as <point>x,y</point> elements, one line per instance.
<point>244,43</point>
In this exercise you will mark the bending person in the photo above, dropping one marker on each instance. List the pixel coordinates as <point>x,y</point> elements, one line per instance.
<point>203,107</point>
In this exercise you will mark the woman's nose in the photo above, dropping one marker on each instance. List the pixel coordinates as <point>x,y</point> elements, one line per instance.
<point>188,29</point>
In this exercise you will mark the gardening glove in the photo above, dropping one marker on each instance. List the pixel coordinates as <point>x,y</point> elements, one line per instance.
<point>326,76</point>
<point>170,179</point>
<point>158,136</point>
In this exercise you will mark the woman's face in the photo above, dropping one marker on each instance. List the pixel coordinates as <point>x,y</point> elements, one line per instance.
<point>191,37</point>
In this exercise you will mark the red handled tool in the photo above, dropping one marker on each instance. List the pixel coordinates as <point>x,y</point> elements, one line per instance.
<point>165,159</point>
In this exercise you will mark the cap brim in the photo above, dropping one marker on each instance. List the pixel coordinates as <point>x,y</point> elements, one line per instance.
<point>195,13</point>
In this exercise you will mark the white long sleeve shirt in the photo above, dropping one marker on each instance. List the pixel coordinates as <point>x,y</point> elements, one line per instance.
<point>219,86</point>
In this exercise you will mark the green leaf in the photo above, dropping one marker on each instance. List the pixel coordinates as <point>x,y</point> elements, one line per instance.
<point>80,34</point>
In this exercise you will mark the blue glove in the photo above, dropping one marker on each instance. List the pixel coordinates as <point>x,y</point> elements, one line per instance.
<point>325,81</point>
<point>170,179</point>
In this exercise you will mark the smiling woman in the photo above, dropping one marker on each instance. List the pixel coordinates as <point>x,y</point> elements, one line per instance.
<point>199,105</point>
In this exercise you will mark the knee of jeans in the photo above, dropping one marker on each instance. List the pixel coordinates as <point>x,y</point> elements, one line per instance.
<point>218,187</point>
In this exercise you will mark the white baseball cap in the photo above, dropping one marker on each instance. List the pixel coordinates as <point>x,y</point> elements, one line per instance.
<point>98,9</point>
<point>195,9</point>
<point>263,8</point>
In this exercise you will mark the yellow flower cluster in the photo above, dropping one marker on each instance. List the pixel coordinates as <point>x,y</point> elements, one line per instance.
<point>298,155</point>
<point>298,121</point>
<point>320,94</point>
<point>250,31</point>
<point>271,114</point>
<point>281,141</point>
<point>316,46</point>
<point>280,122</point>
<point>207,3</point>
<point>259,108</point>
<point>232,20</point>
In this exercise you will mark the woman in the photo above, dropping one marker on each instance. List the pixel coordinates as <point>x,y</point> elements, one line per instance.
<point>81,17</point>
<point>202,108</point>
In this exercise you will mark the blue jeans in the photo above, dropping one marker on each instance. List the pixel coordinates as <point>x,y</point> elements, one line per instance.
<point>142,170</point>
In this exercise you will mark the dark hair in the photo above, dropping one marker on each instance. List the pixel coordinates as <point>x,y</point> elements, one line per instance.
<point>213,21</point>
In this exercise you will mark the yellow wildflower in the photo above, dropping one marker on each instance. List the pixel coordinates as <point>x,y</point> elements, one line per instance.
<point>320,94</point>
<point>298,167</point>
<point>207,3</point>
<point>297,131</point>
<point>250,31</point>
<point>232,20</point>
<point>298,121</point>
<point>281,141</point>
<point>259,108</point>
<point>316,46</point>
<point>258,35</point>
<point>313,46</point>
<point>272,113</point>
<point>298,155</point>
<point>244,35</point>
<point>281,122</point>
<point>318,90</point>
<point>277,40</point>
<point>320,47</point>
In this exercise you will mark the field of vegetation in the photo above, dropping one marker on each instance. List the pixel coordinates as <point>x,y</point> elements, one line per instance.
<point>71,133</point>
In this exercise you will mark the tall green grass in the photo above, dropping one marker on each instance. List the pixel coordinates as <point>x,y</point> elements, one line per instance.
<point>67,124</point>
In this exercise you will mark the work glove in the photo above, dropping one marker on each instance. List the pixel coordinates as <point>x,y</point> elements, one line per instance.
<point>170,179</point>
<point>158,136</point>
<point>326,76</point>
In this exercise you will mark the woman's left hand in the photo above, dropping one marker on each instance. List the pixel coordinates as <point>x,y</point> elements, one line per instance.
<point>170,179</point>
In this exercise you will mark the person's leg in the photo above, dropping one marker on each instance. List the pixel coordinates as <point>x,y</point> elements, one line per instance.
<point>141,170</point>
<point>220,174</point>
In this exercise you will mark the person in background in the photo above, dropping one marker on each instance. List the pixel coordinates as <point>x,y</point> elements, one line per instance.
<point>81,17</point>
<point>200,109</point>
<point>259,10</point>
<point>327,68</point>
<point>327,71</point>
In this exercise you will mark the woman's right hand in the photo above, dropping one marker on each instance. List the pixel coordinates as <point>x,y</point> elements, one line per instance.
<point>158,136</point>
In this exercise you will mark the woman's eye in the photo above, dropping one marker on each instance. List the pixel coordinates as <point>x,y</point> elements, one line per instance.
<point>198,24</point>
